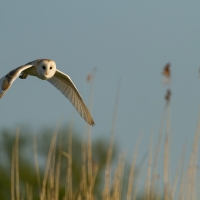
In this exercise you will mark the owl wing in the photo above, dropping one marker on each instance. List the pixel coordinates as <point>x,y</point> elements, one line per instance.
<point>7,80</point>
<point>64,83</point>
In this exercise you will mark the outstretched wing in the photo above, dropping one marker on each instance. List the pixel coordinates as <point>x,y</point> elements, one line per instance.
<point>7,80</point>
<point>63,83</point>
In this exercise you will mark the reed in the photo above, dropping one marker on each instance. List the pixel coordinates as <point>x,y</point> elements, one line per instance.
<point>183,186</point>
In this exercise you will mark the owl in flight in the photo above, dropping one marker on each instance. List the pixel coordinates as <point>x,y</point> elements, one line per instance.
<point>45,69</point>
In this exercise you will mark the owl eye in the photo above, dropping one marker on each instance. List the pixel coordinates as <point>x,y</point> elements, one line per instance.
<point>43,67</point>
<point>51,67</point>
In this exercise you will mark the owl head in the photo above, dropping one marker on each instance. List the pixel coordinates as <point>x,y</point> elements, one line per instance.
<point>46,68</point>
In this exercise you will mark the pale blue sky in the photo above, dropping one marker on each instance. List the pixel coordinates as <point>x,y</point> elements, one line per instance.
<point>128,39</point>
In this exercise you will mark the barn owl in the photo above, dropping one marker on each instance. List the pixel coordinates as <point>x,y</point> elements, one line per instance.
<point>45,69</point>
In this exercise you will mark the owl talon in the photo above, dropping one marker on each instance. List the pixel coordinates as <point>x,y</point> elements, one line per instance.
<point>23,75</point>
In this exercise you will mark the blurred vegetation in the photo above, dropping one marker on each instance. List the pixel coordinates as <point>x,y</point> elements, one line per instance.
<point>61,164</point>
<point>27,169</point>
<point>33,148</point>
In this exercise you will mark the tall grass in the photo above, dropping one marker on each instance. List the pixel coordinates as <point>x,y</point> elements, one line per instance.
<point>182,186</point>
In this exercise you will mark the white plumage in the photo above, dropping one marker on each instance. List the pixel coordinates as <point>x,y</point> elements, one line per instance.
<point>45,69</point>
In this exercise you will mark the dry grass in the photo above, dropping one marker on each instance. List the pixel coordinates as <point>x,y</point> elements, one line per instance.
<point>183,186</point>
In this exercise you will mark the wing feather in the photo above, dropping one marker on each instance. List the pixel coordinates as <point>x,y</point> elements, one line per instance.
<point>64,83</point>
<point>7,80</point>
